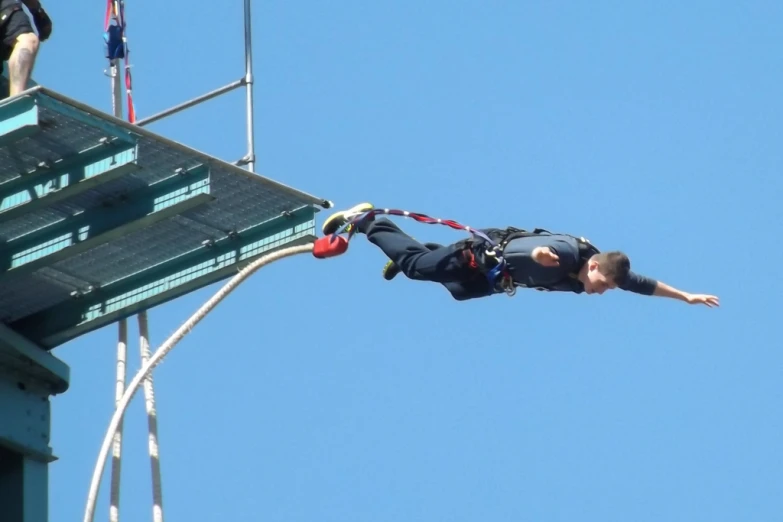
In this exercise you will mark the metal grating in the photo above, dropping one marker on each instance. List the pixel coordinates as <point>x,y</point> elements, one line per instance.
<point>59,180</point>
<point>199,270</point>
<point>23,297</point>
<point>133,253</point>
<point>80,143</point>
<point>25,155</point>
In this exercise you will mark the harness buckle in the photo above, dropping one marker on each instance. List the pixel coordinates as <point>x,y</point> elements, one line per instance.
<point>491,264</point>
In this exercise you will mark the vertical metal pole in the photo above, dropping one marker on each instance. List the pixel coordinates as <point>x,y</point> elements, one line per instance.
<point>116,89</point>
<point>116,463</point>
<point>251,147</point>
<point>122,325</point>
<point>152,421</point>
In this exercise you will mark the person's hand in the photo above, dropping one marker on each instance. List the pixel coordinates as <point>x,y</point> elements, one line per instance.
<point>545,256</point>
<point>42,23</point>
<point>709,300</point>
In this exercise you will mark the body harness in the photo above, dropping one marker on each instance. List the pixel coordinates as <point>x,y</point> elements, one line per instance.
<point>503,236</point>
<point>490,262</point>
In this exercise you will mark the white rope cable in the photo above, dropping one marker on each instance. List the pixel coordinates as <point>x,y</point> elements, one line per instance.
<point>152,421</point>
<point>164,349</point>
<point>116,467</point>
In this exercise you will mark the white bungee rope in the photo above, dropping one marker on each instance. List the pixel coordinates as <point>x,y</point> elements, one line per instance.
<point>161,352</point>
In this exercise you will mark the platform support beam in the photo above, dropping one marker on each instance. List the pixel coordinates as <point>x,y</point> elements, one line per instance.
<point>29,375</point>
<point>165,281</point>
<point>77,247</point>
<point>23,483</point>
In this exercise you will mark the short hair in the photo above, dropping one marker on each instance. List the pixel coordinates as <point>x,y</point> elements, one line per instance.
<point>614,265</point>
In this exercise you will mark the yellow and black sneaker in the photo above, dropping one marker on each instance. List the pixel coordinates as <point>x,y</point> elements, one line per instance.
<point>390,270</point>
<point>338,219</point>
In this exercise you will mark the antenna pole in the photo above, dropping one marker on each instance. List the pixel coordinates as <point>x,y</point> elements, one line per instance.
<point>116,88</point>
<point>250,158</point>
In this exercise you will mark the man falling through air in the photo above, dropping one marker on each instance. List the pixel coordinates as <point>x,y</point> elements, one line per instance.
<point>544,261</point>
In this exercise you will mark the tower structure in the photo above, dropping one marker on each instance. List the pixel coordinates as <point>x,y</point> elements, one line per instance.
<point>100,220</point>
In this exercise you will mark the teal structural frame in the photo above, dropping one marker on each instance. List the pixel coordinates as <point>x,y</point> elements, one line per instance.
<point>28,377</point>
<point>101,219</point>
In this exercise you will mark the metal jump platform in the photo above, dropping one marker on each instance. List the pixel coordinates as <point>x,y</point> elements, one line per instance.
<point>101,219</point>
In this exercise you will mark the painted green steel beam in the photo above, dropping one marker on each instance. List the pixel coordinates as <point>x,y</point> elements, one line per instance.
<point>121,210</point>
<point>98,317</point>
<point>29,375</point>
<point>70,110</point>
<point>24,357</point>
<point>207,253</point>
<point>18,120</point>
<point>24,487</point>
<point>24,409</point>
<point>50,177</point>
<point>68,192</point>
<point>166,281</point>
<point>109,235</point>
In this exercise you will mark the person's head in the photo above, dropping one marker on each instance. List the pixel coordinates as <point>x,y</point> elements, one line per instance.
<point>605,271</point>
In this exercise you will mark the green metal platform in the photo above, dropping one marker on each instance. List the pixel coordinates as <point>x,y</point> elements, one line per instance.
<point>101,219</point>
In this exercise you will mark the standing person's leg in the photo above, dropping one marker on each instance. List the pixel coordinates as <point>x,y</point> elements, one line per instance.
<point>19,47</point>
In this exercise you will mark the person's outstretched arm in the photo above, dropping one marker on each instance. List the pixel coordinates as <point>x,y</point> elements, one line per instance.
<point>664,290</point>
<point>640,284</point>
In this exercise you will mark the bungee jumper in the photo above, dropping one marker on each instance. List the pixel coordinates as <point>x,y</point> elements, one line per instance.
<point>494,260</point>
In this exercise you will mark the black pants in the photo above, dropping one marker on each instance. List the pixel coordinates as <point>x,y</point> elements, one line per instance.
<point>447,265</point>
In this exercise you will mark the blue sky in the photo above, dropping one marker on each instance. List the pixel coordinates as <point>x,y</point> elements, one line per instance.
<point>319,391</point>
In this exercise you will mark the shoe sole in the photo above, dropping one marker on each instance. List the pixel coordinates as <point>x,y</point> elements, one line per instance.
<point>336,220</point>
<point>390,271</point>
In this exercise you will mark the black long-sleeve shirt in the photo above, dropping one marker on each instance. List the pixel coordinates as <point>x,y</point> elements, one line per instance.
<point>526,271</point>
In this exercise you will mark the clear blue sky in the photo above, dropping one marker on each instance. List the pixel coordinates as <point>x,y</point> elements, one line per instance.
<point>318,391</point>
